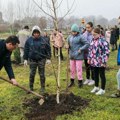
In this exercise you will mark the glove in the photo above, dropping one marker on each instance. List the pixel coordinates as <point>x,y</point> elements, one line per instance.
<point>25,63</point>
<point>48,61</point>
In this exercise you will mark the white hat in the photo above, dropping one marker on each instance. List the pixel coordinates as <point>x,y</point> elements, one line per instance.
<point>36,28</point>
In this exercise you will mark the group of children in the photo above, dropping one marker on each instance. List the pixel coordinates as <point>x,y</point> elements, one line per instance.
<point>93,48</point>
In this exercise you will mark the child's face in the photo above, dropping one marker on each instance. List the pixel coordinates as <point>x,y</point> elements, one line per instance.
<point>95,35</point>
<point>89,28</point>
<point>74,33</point>
<point>36,35</point>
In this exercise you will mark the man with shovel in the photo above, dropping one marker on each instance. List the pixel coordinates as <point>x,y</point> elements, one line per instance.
<point>37,51</point>
<point>6,48</point>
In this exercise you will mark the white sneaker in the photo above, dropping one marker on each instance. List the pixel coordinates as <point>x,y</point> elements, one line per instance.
<point>86,82</point>
<point>100,92</point>
<point>92,82</point>
<point>95,89</point>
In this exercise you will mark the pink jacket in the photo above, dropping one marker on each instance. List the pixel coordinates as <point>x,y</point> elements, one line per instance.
<point>107,36</point>
<point>59,40</point>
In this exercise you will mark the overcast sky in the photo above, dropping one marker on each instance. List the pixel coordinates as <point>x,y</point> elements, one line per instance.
<point>107,8</point>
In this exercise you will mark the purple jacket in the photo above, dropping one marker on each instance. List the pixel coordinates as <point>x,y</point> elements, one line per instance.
<point>87,36</point>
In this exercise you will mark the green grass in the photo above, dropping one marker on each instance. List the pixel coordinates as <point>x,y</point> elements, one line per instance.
<point>100,108</point>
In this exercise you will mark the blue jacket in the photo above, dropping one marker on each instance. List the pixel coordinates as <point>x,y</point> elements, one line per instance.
<point>77,43</point>
<point>5,60</point>
<point>37,49</point>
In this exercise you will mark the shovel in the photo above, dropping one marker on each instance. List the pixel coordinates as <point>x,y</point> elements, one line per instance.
<point>41,101</point>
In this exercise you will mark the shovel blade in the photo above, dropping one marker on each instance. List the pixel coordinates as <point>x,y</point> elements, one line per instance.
<point>41,101</point>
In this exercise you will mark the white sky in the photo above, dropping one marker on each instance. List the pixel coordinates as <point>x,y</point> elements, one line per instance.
<point>107,8</point>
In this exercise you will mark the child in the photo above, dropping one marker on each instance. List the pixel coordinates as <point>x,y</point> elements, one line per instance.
<point>97,57</point>
<point>89,70</point>
<point>77,45</point>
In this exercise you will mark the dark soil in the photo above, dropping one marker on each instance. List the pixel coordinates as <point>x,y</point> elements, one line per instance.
<point>50,109</point>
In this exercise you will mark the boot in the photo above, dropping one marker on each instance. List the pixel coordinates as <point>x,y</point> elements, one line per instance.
<point>80,83</point>
<point>42,90</point>
<point>31,87</point>
<point>71,83</point>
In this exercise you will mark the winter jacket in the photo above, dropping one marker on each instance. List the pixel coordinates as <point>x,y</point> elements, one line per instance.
<point>98,52</point>
<point>5,60</point>
<point>77,43</point>
<point>37,49</point>
<point>23,35</point>
<point>59,40</point>
<point>113,37</point>
<point>87,36</point>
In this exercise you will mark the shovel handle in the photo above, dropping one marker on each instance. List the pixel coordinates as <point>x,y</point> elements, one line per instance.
<point>36,94</point>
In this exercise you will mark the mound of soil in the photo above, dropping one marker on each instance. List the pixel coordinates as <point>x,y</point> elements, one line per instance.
<point>50,109</point>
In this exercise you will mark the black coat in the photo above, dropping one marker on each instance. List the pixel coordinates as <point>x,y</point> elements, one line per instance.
<point>5,60</point>
<point>37,49</point>
<point>113,37</point>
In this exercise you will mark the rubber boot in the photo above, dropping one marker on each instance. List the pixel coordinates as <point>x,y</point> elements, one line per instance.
<point>80,83</point>
<point>42,90</point>
<point>71,83</point>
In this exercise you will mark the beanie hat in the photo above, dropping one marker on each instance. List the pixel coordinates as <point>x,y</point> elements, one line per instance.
<point>75,28</point>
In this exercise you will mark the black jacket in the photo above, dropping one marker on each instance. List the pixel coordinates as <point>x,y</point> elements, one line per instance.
<point>5,60</point>
<point>37,49</point>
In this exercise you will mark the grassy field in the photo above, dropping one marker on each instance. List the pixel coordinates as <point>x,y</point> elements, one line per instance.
<point>100,108</point>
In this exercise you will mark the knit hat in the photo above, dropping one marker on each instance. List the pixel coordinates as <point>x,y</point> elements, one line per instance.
<point>75,28</point>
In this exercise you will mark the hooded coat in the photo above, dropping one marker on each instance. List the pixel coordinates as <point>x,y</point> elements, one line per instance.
<point>37,49</point>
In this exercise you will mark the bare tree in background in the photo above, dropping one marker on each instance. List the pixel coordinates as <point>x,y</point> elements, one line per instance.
<point>42,22</point>
<point>52,8</point>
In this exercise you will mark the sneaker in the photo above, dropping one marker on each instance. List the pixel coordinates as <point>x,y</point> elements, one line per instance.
<point>92,82</point>
<point>86,82</point>
<point>95,89</point>
<point>100,92</point>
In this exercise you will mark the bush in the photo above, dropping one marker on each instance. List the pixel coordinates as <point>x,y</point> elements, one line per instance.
<point>17,56</point>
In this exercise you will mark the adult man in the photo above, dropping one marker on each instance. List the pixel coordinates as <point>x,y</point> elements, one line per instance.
<point>37,50</point>
<point>23,36</point>
<point>6,48</point>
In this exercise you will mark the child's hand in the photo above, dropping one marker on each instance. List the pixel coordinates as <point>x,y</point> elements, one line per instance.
<point>103,65</point>
<point>88,61</point>
<point>79,51</point>
<point>66,46</point>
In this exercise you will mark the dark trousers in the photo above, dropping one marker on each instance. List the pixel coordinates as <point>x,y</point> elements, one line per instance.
<point>41,70</point>
<point>100,71</point>
<point>55,52</point>
<point>89,69</point>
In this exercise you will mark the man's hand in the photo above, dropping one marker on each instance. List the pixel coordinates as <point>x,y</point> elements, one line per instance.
<point>48,61</point>
<point>25,62</point>
<point>14,82</point>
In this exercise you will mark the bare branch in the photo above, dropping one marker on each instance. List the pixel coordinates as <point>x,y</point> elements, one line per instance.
<point>67,11</point>
<point>43,10</point>
<point>59,4</point>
